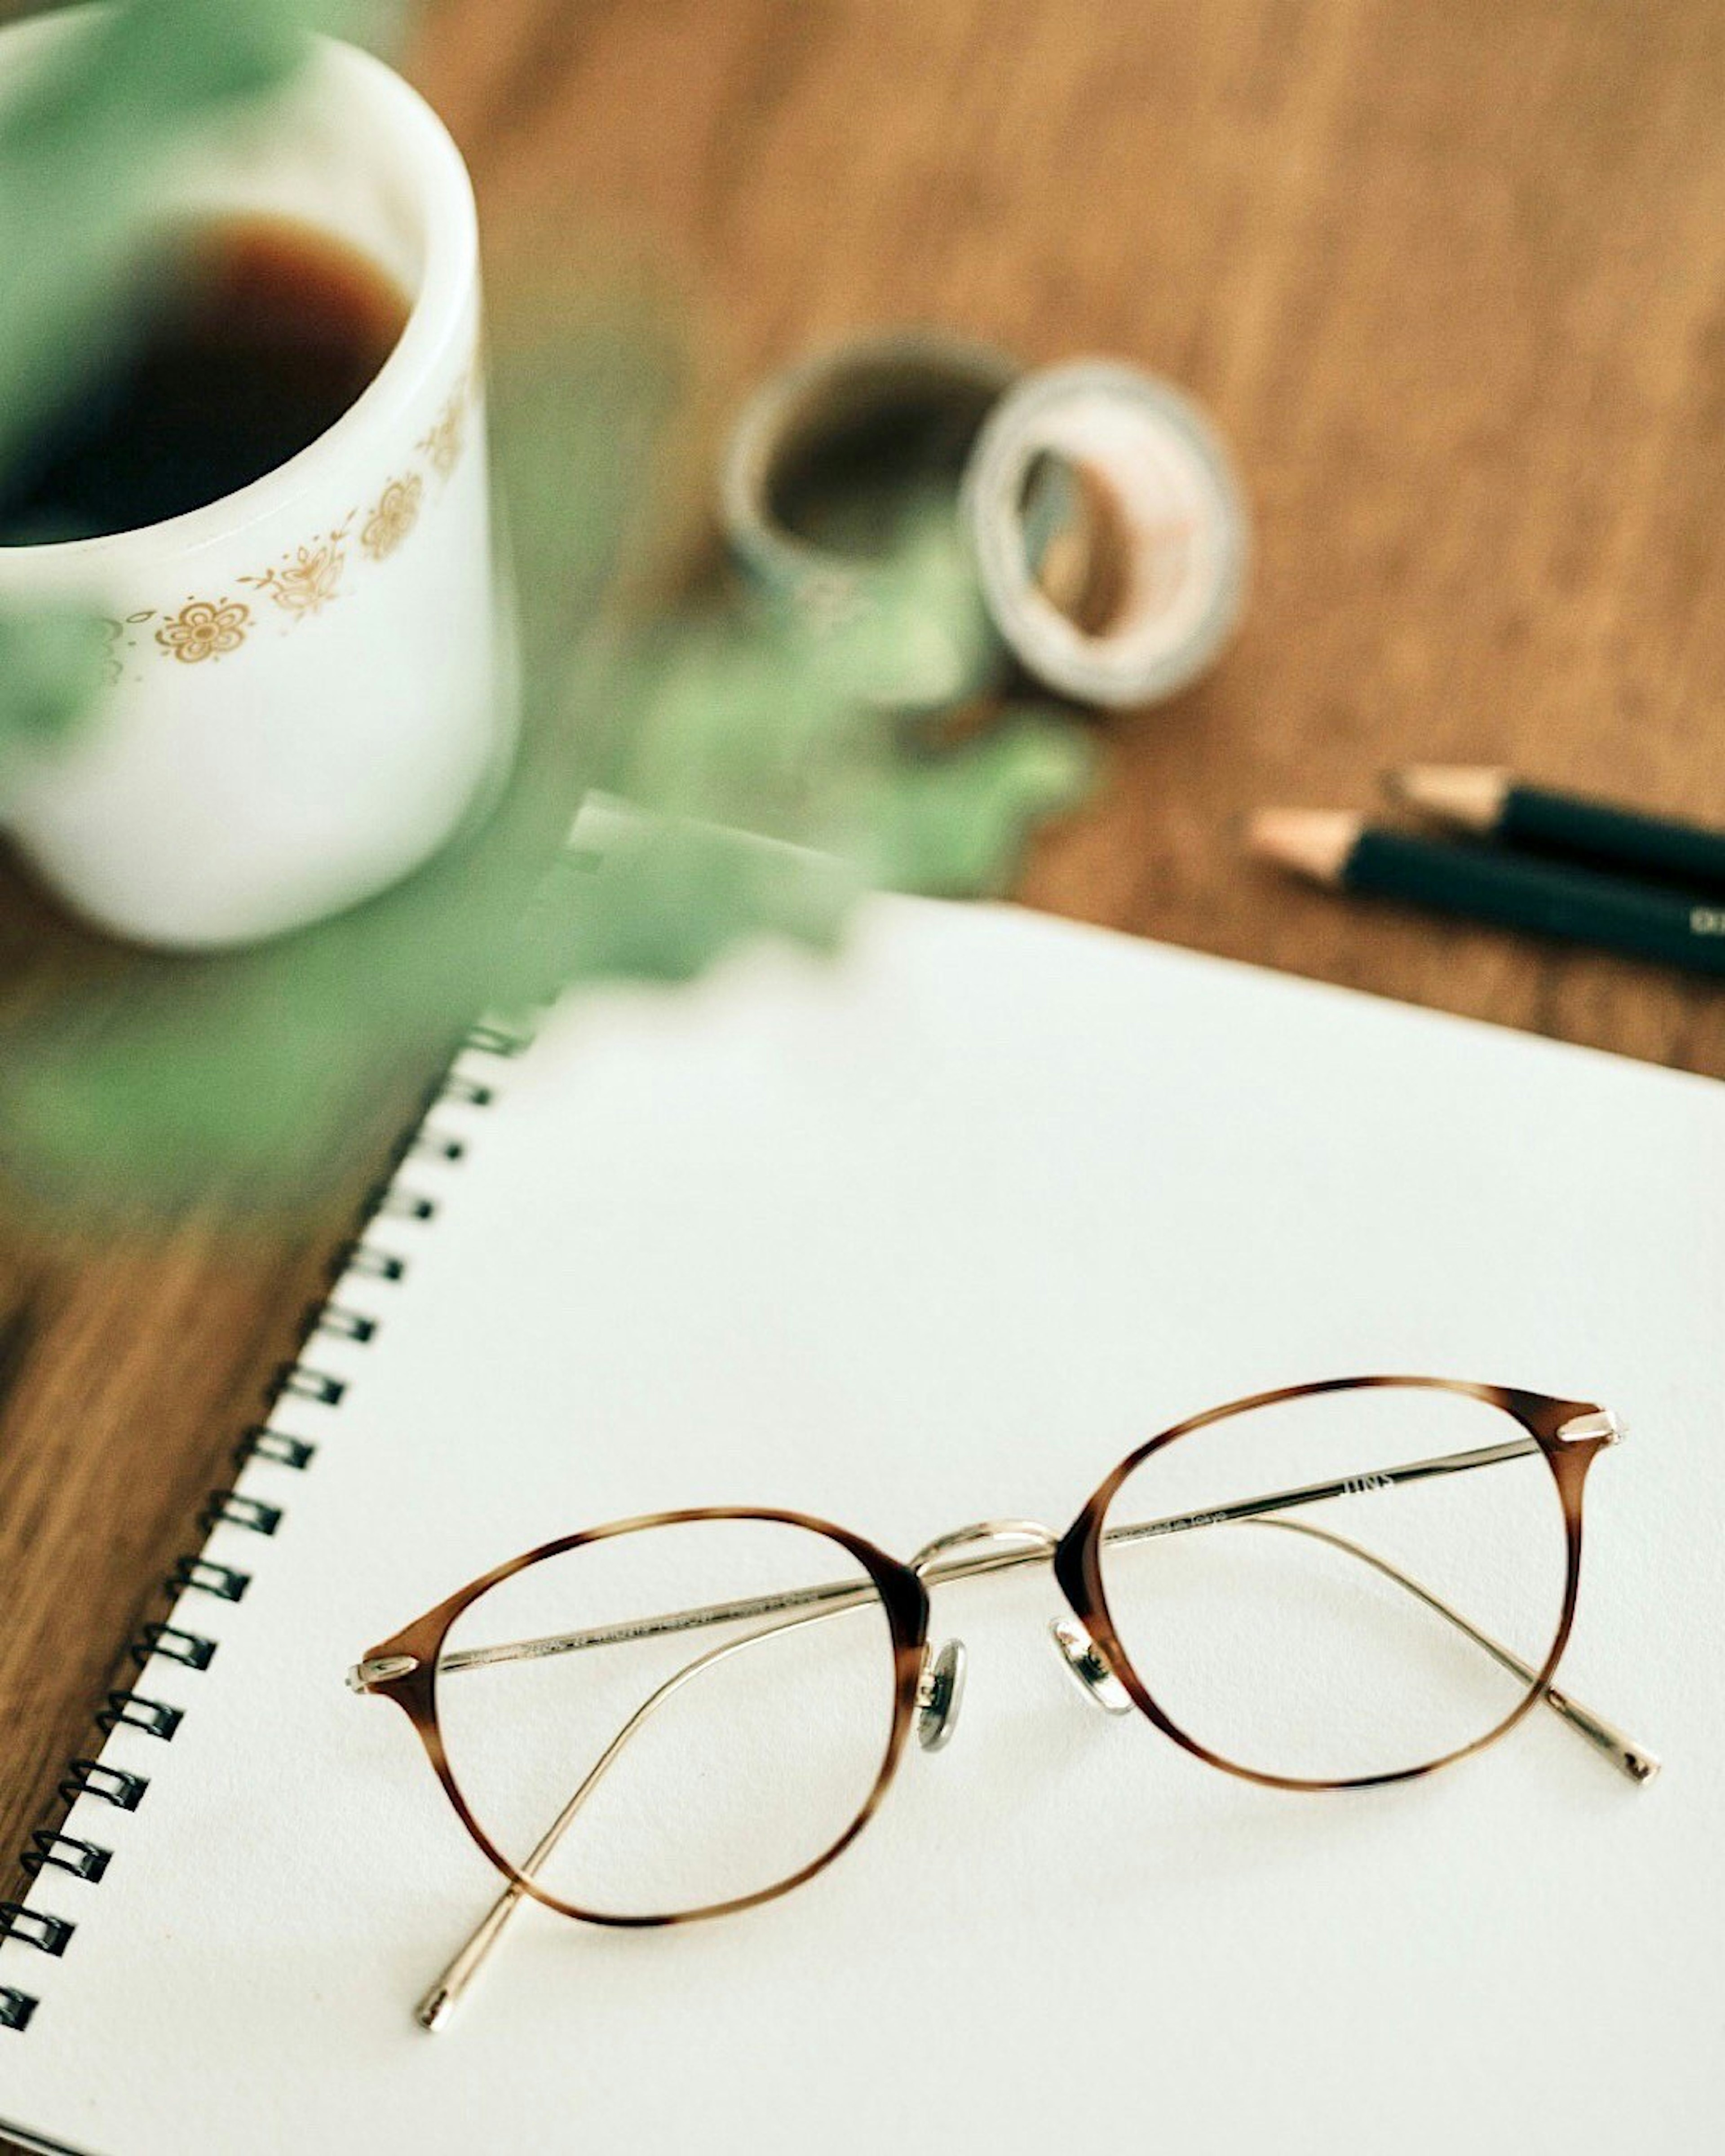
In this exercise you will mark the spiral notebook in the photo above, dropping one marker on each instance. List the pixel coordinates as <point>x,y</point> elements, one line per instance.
<point>932,1235</point>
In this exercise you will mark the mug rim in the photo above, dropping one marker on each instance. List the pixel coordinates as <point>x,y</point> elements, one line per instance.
<point>416,139</point>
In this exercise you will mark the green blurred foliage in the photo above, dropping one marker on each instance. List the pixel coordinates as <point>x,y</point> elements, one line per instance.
<point>80,149</point>
<point>253,1076</point>
<point>82,143</point>
<point>54,660</point>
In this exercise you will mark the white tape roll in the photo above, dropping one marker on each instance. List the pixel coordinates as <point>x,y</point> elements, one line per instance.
<point>1168,532</point>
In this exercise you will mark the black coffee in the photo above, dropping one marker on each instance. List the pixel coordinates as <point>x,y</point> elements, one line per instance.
<point>269,333</point>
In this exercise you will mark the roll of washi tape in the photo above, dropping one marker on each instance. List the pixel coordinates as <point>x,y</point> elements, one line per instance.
<point>842,479</point>
<point>1137,601</point>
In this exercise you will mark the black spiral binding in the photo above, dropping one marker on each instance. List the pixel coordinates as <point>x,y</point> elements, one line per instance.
<point>114,1785</point>
<point>51,1849</point>
<point>229,1508</point>
<point>261,1443</point>
<point>84,1860</point>
<point>172,1645</point>
<point>131,1709</point>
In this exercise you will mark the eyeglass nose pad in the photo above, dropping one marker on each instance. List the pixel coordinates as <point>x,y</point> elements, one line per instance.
<point>939,1695</point>
<point>1089,1667</point>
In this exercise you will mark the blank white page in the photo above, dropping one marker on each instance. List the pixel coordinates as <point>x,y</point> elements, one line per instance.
<point>938,1234</point>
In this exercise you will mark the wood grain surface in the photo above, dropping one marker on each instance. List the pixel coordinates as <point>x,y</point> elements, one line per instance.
<point>1452,281</point>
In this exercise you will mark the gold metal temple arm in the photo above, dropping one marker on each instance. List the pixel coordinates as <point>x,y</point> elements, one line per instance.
<point>1317,1493</point>
<point>842,1595</point>
<point>1630,1758</point>
<point>444,1995</point>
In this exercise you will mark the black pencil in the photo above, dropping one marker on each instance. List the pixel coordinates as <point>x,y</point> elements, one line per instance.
<point>1493,804</point>
<point>1577,904</point>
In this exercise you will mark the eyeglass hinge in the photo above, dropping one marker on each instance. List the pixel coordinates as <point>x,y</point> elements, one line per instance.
<point>381,1670</point>
<point>1591,1429</point>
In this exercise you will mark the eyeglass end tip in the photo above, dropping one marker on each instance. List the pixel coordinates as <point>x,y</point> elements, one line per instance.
<point>434,2009</point>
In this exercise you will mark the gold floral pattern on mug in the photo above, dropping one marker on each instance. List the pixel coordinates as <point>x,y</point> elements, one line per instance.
<point>310,579</point>
<point>442,445</point>
<point>205,629</point>
<point>394,516</point>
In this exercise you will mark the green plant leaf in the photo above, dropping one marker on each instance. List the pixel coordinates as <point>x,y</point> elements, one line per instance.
<point>52,662</point>
<point>81,146</point>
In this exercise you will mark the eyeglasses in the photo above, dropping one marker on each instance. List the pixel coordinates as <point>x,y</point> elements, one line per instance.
<point>681,1716</point>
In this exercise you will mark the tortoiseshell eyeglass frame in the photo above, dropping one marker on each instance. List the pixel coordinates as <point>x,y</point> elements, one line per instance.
<point>1569,1435</point>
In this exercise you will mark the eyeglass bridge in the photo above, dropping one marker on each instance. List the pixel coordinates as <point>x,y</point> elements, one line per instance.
<point>1002,1546</point>
<point>927,1562</point>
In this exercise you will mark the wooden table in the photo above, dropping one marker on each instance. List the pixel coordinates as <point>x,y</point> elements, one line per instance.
<point>1452,281</point>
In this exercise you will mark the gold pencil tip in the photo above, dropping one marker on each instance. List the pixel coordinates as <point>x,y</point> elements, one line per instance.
<point>1312,842</point>
<point>1469,795</point>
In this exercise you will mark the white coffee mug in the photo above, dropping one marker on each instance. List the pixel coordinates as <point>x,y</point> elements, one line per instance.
<point>303,700</point>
